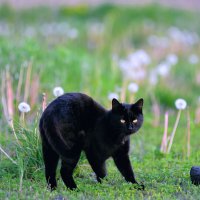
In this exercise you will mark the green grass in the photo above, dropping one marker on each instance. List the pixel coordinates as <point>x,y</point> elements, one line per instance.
<point>85,64</point>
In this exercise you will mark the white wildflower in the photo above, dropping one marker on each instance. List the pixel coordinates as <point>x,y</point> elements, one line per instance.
<point>140,57</point>
<point>124,65</point>
<point>133,67</point>
<point>180,104</point>
<point>58,91</point>
<point>183,36</point>
<point>175,33</point>
<point>113,95</point>
<point>133,87</point>
<point>172,59</point>
<point>131,70</point>
<point>24,107</point>
<point>163,69</point>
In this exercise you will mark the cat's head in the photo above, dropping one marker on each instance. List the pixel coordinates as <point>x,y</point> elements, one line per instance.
<point>127,117</point>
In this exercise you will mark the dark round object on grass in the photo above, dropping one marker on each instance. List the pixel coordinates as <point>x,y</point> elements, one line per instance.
<point>195,175</point>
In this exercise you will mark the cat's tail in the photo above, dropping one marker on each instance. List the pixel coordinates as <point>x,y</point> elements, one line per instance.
<point>51,137</point>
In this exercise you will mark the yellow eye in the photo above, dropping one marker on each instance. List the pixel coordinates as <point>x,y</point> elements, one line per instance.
<point>135,121</point>
<point>122,121</point>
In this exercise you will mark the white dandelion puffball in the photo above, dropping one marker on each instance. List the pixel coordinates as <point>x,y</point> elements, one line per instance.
<point>24,107</point>
<point>58,91</point>
<point>163,69</point>
<point>180,104</point>
<point>112,96</point>
<point>133,87</point>
<point>172,59</point>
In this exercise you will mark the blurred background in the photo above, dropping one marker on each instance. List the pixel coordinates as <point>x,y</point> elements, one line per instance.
<point>193,4</point>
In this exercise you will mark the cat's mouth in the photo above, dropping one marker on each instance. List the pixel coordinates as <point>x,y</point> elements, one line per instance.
<point>133,130</point>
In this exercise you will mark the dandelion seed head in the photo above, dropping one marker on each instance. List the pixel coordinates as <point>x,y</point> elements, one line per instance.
<point>180,104</point>
<point>24,107</point>
<point>133,87</point>
<point>113,95</point>
<point>163,69</point>
<point>172,59</point>
<point>58,91</point>
<point>140,57</point>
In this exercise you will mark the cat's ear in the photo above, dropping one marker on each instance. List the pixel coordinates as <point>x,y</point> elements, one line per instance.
<point>116,106</point>
<point>139,104</point>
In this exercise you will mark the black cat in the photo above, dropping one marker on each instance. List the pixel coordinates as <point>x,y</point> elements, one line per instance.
<point>74,122</point>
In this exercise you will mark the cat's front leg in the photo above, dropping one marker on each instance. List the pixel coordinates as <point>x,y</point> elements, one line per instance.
<point>122,161</point>
<point>98,165</point>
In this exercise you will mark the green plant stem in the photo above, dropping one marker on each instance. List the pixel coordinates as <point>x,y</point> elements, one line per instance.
<point>7,156</point>
<point>21,180</point>
<point>13,129</point>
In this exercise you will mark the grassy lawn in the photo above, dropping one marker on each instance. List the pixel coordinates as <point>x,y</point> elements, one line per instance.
<point>80,49</point>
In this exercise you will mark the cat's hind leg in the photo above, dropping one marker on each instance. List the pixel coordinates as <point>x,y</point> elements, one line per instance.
<point>50,161</point>
<point>68,165</point>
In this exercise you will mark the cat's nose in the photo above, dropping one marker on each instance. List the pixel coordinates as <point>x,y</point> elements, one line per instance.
<point>130,127</point>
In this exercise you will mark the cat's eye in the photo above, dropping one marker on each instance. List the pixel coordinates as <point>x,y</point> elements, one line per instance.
<point>122,121</point>
<point>135,121</point>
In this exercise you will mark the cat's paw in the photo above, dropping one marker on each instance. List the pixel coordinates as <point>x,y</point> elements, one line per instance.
<point>139,186</point>
<point>74,187</point>
<point>52,187</point>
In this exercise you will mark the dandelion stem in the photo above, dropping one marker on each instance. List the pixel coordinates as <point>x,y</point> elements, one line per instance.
<point>174,131</point>
<point>164,139</point>
<point>188,133</point>
<point>131,100</point>
<point>7,156</point>
<point>13,130</point>
<point>23,118</point>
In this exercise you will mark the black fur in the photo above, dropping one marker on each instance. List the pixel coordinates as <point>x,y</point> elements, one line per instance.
<point>74,122</point>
